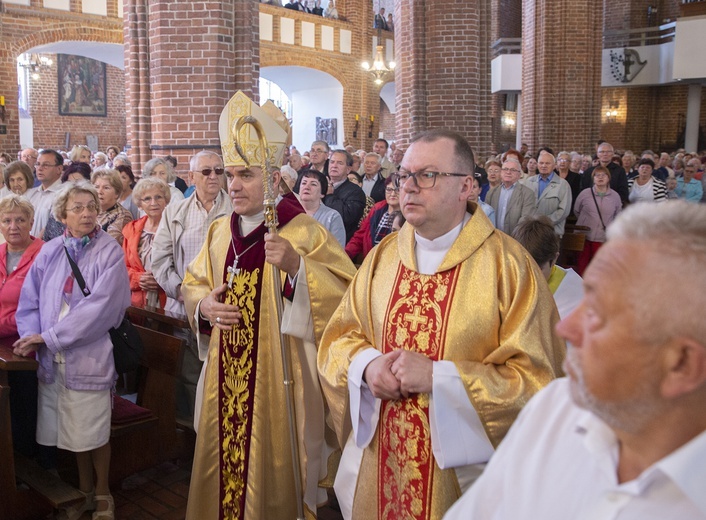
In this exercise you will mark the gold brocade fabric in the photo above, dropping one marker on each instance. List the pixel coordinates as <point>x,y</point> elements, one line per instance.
<point>499,333</point>
<point>269,492</point>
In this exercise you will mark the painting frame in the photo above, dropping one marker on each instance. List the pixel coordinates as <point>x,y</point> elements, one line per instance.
<point>82,86</point>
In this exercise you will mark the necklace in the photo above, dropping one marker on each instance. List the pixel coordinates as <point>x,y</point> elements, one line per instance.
<point>233,270</point>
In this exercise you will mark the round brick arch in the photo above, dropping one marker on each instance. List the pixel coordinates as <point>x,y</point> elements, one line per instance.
<point>102,33</point>
<point>332,66</point>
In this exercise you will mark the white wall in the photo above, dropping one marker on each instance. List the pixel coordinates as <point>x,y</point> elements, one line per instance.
<point>307,105</point>
<point>690,48</point>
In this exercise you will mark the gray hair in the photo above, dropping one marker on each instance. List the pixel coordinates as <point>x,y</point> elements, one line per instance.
<point>101,156</point>
<point>372,154</point>
<point>195,158</point>
<point>150,183</point>
<point>122,157</point>
<point>677,231</point>
<point>153,163</point>
<point>67,190</point>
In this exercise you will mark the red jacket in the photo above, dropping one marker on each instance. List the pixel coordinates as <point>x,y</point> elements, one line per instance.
<point>11,285</point>
<point>362,239</point>
<point>131,239</point>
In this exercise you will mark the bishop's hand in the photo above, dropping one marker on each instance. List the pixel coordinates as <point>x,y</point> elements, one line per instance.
<point>280,253</point>
<point>379,377</point>
<point>220,315</point>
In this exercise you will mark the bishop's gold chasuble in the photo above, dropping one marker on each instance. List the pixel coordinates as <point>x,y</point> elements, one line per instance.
<point>487,309</point>
<point>242,464</point>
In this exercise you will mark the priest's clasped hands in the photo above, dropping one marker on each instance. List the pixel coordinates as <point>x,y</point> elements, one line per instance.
<point>398,374</point>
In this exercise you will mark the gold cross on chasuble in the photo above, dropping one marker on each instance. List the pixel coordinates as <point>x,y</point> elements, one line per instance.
<point>417,320</point>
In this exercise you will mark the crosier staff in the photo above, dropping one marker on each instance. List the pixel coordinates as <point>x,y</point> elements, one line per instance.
<point>270,203</point>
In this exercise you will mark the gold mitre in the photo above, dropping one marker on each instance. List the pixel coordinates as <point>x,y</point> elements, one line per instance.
<point>238,106</point>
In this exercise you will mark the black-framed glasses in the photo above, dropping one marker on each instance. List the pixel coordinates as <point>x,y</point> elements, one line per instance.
<point>207,171</point>
<point>391,189</point>
<point>423,180</point>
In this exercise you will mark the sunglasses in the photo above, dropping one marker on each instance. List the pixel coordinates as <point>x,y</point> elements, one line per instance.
<point>207,171</point>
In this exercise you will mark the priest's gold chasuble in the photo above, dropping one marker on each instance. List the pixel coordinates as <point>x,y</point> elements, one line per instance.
<point>487,309</point>
<point>242,463</point>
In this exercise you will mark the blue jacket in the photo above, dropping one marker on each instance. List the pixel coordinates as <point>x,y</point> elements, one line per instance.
<point>82,335</point>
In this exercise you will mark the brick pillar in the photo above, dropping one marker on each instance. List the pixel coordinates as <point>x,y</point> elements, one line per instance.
<point>443,69</point>
<point>192,61</point>
<point>561,92</point>
<point>9,142</point>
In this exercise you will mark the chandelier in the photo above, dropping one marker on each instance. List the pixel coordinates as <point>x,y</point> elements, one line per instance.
<point>379,68</point>
<point>34,63</point>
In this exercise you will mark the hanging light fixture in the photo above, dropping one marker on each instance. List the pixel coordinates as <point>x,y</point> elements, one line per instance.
<point>379,68</point>
<point>34,63</point>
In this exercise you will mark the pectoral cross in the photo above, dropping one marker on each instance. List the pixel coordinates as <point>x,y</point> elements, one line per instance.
<point>233,271</point>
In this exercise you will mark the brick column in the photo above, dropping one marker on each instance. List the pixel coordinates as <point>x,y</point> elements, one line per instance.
<point>561,96</point>
<point>9,142</point>
<point>443,74</point>
<point>185,62</point>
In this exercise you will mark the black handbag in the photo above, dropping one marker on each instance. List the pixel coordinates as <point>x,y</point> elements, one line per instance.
<point>127,344</point>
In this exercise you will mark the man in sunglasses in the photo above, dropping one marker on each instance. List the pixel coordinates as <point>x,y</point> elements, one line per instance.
<point>178,240</point>
<point>445,332</point>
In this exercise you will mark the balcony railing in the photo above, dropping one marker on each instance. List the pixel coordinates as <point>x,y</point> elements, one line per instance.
<point>506,46</point>
<point>639,37</point>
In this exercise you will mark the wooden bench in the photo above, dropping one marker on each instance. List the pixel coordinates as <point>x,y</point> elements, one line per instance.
<point>572,244</point>
<point>16,503</point>
<point>145,442</point>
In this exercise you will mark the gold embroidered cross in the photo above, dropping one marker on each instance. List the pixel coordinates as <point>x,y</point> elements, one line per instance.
<point>416,319</point>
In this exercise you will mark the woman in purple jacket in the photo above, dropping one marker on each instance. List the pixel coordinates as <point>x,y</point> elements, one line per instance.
<point>69,332</point>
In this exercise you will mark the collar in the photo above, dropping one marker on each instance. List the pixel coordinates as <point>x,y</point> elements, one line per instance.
<point>510,188</point>
<point>550,177</point>
<point>442,243</point>
<point>249,222</point>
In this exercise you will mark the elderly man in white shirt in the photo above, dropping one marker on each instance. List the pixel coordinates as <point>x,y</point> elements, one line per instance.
<point>624,436</point>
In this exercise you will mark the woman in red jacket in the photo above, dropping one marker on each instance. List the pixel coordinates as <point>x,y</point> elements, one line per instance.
<point>16,256</point>
<point>377,224</point>
<point>151,195</point>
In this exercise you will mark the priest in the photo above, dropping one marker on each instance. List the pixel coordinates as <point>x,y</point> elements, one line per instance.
<point>444,334</point>
<point>242,464</point>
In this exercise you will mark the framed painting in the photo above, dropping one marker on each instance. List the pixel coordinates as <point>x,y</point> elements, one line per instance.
<point>82,86</point>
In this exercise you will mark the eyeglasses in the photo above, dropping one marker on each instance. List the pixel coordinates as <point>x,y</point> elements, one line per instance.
<point>390,189</point>
<point>422,180</point>
<point>46,165</point>
<point>510,170</point>
<point>156,198</point>
<point>207,171</point>
<point>80,208</point>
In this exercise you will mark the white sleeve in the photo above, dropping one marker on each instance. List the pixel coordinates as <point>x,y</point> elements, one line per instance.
<point>365,408</point>
<point>457,434</point>
<point>296,316</point>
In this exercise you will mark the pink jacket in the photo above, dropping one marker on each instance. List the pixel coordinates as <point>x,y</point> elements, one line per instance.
<point>10,286</point>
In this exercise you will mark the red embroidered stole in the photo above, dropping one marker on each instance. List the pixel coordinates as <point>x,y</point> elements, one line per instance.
<point>238,360</point>
<point>416,320</point>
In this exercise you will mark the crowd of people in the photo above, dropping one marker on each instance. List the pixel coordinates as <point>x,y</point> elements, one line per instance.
<point>450,254</point>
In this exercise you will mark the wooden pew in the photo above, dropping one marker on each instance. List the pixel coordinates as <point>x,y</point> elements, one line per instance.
<point>141,444</point>
<point>22,503</point>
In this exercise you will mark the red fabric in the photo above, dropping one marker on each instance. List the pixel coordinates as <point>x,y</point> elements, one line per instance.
<point>125,412</point>
<point>362,239</point>
<point>584,258</point>
<point>10,286</point>
<point>131,240</point>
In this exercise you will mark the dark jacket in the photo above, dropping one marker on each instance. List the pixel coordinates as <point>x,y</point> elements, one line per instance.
<point>349,200</point>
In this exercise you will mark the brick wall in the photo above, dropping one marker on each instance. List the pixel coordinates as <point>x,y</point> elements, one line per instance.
<point>648,117</point>
<point>443,75</point>
<point>561,96</point>
<point>50,128</point>
<point>24,28</point>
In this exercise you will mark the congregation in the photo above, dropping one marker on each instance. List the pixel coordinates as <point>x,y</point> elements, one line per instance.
<point>393,262</point>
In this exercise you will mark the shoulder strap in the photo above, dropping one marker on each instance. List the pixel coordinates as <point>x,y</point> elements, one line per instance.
<point>597,208</point>
<point>77,274</point>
